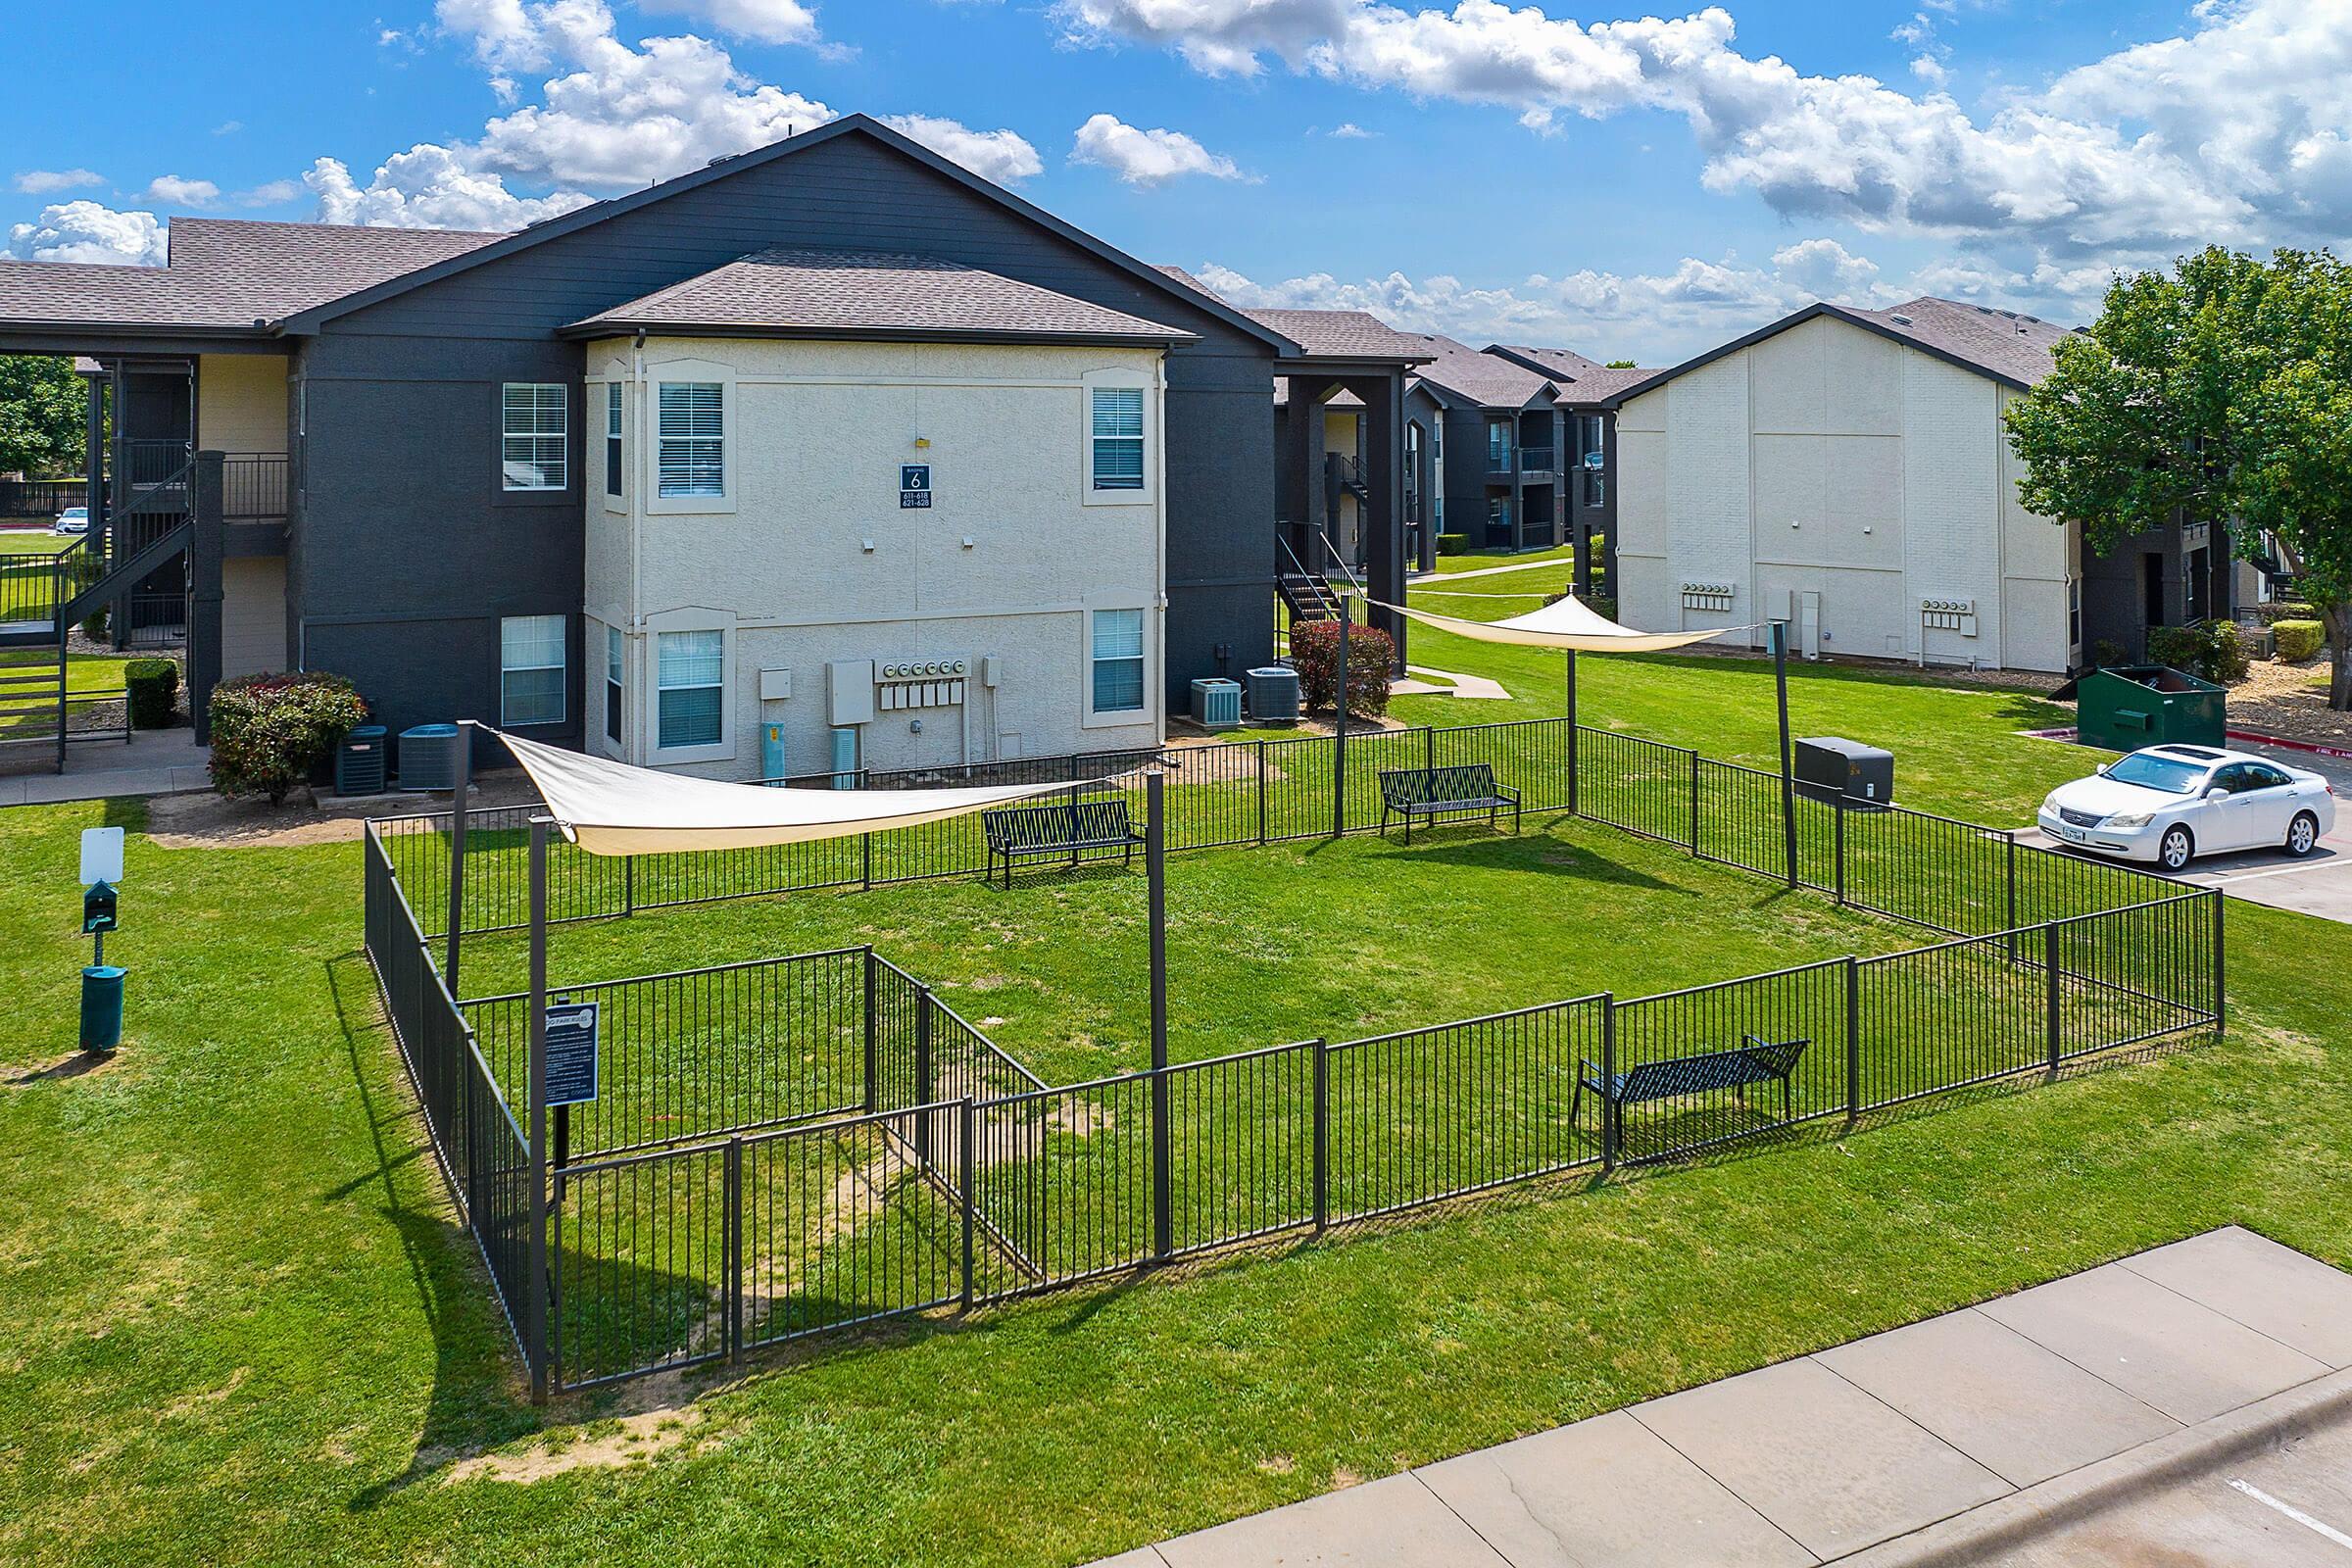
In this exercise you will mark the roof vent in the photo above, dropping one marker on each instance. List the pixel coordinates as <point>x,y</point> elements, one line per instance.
<point>1900,321</point>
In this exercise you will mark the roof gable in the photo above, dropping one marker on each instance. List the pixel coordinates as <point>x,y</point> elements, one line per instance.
<point>859,126</point>
<point>2004,346</point>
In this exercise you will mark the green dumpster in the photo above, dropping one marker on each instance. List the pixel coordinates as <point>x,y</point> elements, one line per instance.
<point>2133,706</point>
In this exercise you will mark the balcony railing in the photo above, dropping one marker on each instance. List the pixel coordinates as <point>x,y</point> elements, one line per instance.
<point>253,487</point>
<point>1535,460</point>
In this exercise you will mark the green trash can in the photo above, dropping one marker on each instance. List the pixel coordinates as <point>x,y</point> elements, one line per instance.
<point>2131,705</point>
<point>101,1007</point>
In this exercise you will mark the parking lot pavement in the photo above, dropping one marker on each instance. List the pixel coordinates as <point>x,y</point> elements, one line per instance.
<point>2319,884</point>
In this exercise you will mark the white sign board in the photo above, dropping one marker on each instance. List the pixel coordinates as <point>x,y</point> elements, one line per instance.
<point>101,854</point>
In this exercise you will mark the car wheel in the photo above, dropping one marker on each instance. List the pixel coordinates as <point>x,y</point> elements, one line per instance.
<point>2302,835</point>
<point>2176,849</point>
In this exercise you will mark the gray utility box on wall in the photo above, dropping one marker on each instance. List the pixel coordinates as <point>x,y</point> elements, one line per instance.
<point>1273,695</point>
<point>1829,768</point>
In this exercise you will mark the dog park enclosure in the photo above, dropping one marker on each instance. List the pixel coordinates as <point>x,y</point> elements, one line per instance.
<point>791,1145</point>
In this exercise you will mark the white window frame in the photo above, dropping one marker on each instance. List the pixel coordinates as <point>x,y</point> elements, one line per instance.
<point>615,689</point>
<point>1101,717</point>
<point>679,372</point>
<point>677,620</point>
<point>1123,379</point>
<point>562,667</point>
<point>617,426</point>
<point>561,434</point>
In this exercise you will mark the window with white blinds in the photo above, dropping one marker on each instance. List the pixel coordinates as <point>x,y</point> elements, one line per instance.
<point>690,676</point>
<point>531,670</point>
<point>692,439</point>
<point>613,438</point>
<point>1118,660</point>
<point>1117,436</point>
<point>613,683</point>
<point>532,449</point>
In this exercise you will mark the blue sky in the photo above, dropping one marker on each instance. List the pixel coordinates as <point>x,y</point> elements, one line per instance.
<point>1616,183</point>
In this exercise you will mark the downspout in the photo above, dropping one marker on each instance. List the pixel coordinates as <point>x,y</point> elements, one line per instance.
<point>1159,513</point>
<point>638,469</point>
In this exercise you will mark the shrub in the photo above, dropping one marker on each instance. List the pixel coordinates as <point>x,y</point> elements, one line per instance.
<point>1452,544</point>
<point>2279,610</point>
<point>93,624</point>
<point>1316,655</point>
<point>152,688</point>
<point>2210,651</point>
<point>2107,653</point>
<point>2298,640</point>
<point>269,731</point>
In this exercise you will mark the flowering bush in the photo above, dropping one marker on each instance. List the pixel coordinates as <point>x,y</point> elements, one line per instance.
<point>269,731</point>
<point>1316,655</point>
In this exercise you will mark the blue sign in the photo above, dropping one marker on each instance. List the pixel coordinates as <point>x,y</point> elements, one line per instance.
<point>571,1052</point>
<point>913,498</point>
<point>914,485</point>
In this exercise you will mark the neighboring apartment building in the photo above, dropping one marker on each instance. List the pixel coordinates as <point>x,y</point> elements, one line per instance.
<point>660,473</point>
<point>1848,470</point>
<point>1583,390</point>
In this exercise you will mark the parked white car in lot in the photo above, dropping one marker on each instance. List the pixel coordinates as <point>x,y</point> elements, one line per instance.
<point>2170,804</point>
<point>74,519</point>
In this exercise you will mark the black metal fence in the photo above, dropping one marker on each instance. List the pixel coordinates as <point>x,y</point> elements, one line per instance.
<point>1954,877</point>
<point>792,1146</point>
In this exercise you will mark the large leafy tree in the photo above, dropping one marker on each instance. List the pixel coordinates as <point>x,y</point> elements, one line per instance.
<point>42,410</point>
<point>2206,392</point>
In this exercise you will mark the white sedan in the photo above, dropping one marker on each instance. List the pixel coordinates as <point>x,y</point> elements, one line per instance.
<point>2170,804</point>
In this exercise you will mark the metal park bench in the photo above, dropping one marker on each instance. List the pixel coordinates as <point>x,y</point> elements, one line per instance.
<point>1463,789</point>
<point>1071,827</point>
<point>1753,1062</point>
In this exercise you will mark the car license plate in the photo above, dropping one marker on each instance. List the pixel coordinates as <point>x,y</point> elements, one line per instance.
<point>2074,835</point>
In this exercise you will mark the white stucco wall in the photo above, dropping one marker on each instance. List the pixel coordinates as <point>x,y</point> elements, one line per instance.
<point>241,403</point>
<point>253,615</point>
<point>810,559</point>
<point>1830,461</point>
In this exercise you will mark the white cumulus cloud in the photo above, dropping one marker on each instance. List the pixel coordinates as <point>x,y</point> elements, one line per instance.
<point>429,187</point>
<point>49,182</point>
<point>1147,157</point>
<point>174,190</point>
<point>998,155</point>
<point>88,232</point>
<point>755,20</point>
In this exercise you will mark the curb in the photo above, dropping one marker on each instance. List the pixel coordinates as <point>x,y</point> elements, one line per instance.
<point>2316,748</point>
<point>2014,1522</point>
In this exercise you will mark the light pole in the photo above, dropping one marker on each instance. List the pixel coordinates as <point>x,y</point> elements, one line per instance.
<point>1156,881</point>
<point>1780,680</point>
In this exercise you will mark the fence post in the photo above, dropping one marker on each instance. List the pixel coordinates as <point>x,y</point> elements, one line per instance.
<point>873,1033</point>
<point>2218,1010</point>
<point>1694,801</point>
<point>2010,925</point>
<point>1573,810</point>
<point>1841,808</point>
<point>731,1244</point>
<point>628,886</point>
<point>1261,793</point>
<point>1853,1032</point>
<point>967,1179</point>
<point>1322,1165</point>
<point>1608,1081</point>
<point>922,1073</point>
<point>535,1309</point>
<point>2049,963</point>
<point>461,756</point>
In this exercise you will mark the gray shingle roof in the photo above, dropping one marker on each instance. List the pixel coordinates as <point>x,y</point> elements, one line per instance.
<point>1344,334</point>
<point>1586,380</point>
<point>838,293</point>
<point>225,273</point>
<point>1486,379</point>
<point>2003,343</point>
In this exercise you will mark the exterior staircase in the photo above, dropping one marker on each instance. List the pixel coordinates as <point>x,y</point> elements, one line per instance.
<point>1307,598</point>
<point>44,597</point>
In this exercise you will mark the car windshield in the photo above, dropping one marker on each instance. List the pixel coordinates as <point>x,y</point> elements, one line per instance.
<point>2153,772</point>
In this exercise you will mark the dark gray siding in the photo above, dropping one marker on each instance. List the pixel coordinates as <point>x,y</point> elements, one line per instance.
<point>411,552</point>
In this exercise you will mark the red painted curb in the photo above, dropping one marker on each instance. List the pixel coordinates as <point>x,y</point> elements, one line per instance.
<point>2313,747</point>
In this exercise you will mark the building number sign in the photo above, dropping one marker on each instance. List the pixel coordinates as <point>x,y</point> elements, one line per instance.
<point>914,484</point>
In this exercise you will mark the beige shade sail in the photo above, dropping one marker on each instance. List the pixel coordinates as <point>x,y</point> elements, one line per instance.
<point>610,808</point>
<point>1567,625</point>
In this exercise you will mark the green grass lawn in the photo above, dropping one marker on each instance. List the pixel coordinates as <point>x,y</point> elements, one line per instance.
<point>243,1327</point>
<point>1474,560</point>
<point>31,542</point>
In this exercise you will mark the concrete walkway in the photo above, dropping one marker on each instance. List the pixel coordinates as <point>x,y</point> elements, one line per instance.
<point>157,762</point>
<point>1424,579</point>
<point>1454,684</point>
<point>2097,1375</point>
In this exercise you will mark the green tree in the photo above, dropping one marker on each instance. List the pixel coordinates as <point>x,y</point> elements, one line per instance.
<point>41,415</point>
<point>1621,364</point>
<point>2204,393</point>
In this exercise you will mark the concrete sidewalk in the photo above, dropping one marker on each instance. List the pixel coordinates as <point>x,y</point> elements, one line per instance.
<point>155,761</point>
<point>1827,1456</point>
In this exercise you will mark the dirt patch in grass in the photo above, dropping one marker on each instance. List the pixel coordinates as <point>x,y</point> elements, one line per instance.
<point>608,1444</point>
<point>217,822</point>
